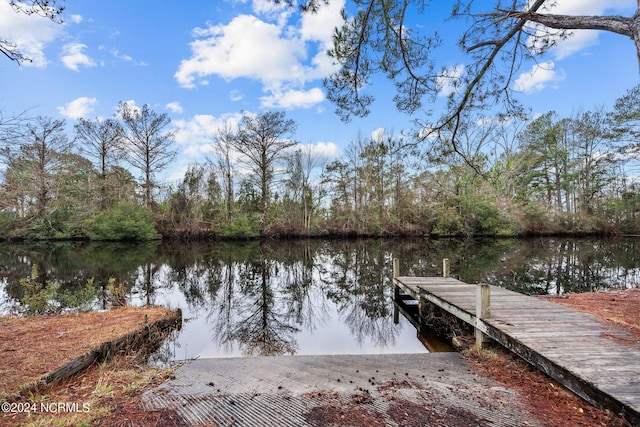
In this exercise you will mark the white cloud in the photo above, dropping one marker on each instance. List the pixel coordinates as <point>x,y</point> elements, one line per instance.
<point>174,107</point>
<point>177,173</point>
<point>72,56</point>
<point>196,134</point>
<point>246,47</point>
<point>579,40</point>
<point>116,53</point>
<point>591,7</point>
<point>319,27</point>
<point>76,19</point>
<point>30,33</point>
<point>323,150</point>
<point>279,12</point>
<point>79,107</point>
<point>236,95</point>
<point>448,79</point>
<point>283,57</point>
<point>379,134</point>
<point>123,56</point>
<point>539,77</point>
<point>293,99</point>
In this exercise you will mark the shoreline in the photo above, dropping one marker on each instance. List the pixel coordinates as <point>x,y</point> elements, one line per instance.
<point>554,405</point>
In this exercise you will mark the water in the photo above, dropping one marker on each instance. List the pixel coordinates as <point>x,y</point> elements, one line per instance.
<point>303,297</point>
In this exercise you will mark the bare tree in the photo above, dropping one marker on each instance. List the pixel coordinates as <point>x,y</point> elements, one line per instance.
<point>300,165</point>
<point>262,141</point>
<point>147,147</point>
<point>11,128</point>
<point>33,163</point>
<point>223,150</point>
<point>102,141</point>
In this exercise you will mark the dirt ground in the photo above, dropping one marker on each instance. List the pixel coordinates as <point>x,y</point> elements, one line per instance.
<point>33,346</point>
<point>112,391</point>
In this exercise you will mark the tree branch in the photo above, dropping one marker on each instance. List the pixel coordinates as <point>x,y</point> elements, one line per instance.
<point>616,24</point>
<point>455,118</point>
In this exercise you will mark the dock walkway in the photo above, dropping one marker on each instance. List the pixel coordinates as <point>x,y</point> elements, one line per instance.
<point>598,361</point>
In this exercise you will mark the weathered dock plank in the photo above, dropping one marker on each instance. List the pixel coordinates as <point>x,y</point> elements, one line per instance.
<point>576,349</point>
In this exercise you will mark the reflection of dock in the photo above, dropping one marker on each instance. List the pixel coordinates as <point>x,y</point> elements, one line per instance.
<point>408,307</point>
<point>595,360</point>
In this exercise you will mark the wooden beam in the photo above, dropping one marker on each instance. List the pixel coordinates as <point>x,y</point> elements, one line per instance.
<point>483,311</point>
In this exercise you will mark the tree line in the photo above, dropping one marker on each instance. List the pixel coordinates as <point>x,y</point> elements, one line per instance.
<point>547,175</point>
<point>460,175</point>
<point>55,186</point>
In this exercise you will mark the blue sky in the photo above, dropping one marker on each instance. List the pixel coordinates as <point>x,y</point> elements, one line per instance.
<point>206,62</point>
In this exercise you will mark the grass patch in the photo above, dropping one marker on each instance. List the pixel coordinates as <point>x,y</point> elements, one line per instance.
<point>99,394</point>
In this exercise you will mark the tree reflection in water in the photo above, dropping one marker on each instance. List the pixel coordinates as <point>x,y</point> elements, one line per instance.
<point>260,299</point>
<point>358,279</point>
<point>261,325</point>
<point>276,297</point>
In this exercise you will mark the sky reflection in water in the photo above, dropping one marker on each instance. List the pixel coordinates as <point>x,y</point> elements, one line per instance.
<point>308,297</point>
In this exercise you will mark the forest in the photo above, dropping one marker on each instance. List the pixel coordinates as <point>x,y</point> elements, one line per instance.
<point>507,177</point>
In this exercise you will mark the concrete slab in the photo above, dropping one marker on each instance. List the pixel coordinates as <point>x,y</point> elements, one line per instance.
<point>341,390</point>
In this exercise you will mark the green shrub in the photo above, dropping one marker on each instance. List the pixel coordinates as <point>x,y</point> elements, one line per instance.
<point>8,223</point>
<point>470,215</point>
<point>485,218</point>
<point>241,227</point>
<point>446,222</point>
<point>125,221</point>
<point>49,297</point>
<point>38,297</point>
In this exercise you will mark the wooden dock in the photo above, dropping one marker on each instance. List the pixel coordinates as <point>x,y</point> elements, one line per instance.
<point>595,360</point>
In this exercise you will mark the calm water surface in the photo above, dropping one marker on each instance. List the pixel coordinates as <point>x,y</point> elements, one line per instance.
<point>303,297</point>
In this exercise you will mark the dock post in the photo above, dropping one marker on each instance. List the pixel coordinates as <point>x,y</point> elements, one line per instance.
<point>445,268</point>
<point>396,291</point>
<point>396,273</point>
<point>483,311</point>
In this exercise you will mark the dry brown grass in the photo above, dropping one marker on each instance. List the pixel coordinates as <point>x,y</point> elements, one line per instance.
<point>111,393</point>
<point>31,347</point>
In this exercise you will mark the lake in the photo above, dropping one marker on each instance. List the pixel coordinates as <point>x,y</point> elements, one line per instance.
<point>301,296</point>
